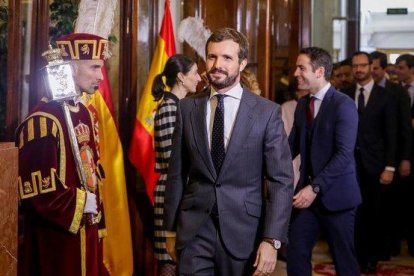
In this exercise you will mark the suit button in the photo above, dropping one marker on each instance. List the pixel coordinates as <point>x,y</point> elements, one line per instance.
<point>218,185</point>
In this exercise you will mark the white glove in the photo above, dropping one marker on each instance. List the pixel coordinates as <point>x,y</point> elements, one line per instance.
<point>90,206</point>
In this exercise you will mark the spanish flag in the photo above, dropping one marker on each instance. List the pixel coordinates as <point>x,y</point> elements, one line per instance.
<point>141,151</point>
<point>117,245</point>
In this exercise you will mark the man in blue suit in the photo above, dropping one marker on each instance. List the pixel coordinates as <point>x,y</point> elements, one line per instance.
<point>324,133</point>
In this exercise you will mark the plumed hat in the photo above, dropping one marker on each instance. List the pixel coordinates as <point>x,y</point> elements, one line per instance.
<point>82,46</point>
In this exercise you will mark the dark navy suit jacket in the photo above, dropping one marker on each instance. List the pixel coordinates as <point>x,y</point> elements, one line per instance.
<point>333,138</point>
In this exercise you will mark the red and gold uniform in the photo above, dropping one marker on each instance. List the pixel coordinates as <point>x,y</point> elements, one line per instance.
<point>57,237</point>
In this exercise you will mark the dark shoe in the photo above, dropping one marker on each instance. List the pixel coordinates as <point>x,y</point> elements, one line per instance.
<point>369,268</point>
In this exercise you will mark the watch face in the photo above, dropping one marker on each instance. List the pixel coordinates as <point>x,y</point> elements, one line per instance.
<point>277,244</point>
<point>316,189</point>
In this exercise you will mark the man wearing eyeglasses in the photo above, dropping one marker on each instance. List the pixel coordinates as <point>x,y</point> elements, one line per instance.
<point>375,155</point>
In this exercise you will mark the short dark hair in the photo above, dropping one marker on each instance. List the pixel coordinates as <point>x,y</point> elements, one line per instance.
<point>382,58</point>
<point>174,65</point>
<point>359,53</point>
<point>346,62</point>
<point>231,34</point>
<point>319,58</point>
<point>408,58</point>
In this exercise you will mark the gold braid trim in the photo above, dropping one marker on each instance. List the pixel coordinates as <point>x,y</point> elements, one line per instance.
<point>62,159</point>
<point>83,250</point>
<point>80,206</point>
<point>102,233</point>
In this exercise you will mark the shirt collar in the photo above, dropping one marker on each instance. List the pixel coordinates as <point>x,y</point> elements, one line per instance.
<point>382,82</point>
<point>235,92</point>
<point>321,93</point>
<point>411,83</point>
<point>367,87</point>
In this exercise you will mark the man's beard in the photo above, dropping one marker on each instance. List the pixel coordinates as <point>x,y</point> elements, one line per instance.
<point>228,81</point>
<point>362,76</point>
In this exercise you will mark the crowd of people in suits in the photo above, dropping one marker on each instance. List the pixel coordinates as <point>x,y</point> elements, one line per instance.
<point>383,154</point>
<point>349,133</point>
<point>383,94</point>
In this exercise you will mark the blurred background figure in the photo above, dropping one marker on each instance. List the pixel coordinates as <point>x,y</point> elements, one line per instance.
<point>344,77</point>
<point>391,71</point>
<point>248,79</point>
<point>181,77</point>
<point>390,197</point>
<point>335,75</point>
<point>288,111</point>
<point>281,88</point>
<point>405,71</point>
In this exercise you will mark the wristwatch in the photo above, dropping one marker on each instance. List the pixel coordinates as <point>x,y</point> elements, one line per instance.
<point>316,188</point>
<point>275,243</point>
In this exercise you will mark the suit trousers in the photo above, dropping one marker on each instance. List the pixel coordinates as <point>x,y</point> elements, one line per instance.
<point>206,255</point>
<point>304,232</point>
<point>402,212</point>
<point>367,239</point>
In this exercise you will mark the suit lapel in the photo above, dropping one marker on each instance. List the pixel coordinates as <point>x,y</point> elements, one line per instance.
<point>198,125</point>
<point>323,107</point>
<point>242,125</point>
<point>372,98</point>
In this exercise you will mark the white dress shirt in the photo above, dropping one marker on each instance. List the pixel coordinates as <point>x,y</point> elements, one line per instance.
<point>231,107</point>
<point>318,96</point>
<point>410,91</point>
<point>367,91</point>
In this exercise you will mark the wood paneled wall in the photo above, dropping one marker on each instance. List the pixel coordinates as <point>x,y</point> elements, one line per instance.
<point>276,30</point>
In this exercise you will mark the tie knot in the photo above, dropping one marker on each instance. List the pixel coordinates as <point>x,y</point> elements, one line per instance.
<point>220,97</point>
<point>407,86</point>
<point>362,90</point>
<point>311,99</point>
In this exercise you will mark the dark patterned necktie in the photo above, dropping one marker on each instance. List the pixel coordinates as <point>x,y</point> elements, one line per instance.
<point>217,138</point>
<point>310,110</point>
<point>361,101</point>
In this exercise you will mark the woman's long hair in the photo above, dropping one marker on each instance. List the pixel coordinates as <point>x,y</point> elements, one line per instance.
<point>175,64</point>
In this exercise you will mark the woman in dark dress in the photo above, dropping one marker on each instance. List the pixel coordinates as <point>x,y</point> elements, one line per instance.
<point>180,77</point>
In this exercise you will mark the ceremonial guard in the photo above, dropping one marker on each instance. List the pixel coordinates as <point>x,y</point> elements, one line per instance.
<point>59,173</point>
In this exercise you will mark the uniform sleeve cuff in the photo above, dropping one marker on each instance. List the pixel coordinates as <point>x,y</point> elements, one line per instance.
<point>80,206</point>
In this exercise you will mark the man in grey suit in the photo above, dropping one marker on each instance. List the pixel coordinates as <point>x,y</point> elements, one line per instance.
<point>227,143</point>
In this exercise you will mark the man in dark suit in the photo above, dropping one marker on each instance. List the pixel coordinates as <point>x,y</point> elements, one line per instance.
<point>226,143</point>
<point>405,72</point>
<point>324,133</point>
<point>375,156</point>
<point>390,203</point>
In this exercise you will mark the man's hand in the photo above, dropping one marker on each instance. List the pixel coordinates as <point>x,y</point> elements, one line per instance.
<point>304,198</point>
<point>386,177</point>
<point>170,245</point>
<point>405,168</point>
<point>266,258</point>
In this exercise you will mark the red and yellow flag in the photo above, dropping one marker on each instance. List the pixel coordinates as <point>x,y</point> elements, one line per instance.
<point>141,151</point>
<point>117,245</point>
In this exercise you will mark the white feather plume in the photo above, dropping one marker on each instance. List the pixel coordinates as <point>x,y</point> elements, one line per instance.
<point>96,17</point>
<point>192,31</point>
